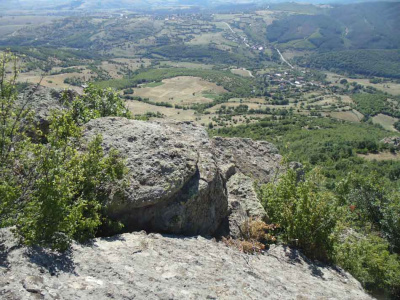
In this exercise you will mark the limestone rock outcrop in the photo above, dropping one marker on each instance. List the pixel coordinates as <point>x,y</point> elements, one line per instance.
<point>257,159</point>
<point>42,101</point>
<point>175,183</point>
<point>151,266</point>
<point>180,180</point>
<point>243,203</point>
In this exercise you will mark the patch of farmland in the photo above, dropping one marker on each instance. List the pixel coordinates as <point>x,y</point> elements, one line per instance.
<point>389,87</point>
<point>187,65</point>
<point>380,156</point>
<point>182,90</point>
<point>141,108</point>
<point>242,72</point>
<point>248,100</point>
<point>387,122</point>
<point>351,115</point>
<point>55,81</point>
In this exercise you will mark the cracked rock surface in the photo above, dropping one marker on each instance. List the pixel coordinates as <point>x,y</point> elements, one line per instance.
<point>152,266</point>
<point>175,184</point>
<point>179,176</point>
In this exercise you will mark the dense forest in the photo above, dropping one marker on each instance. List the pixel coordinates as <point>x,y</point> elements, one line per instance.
<point>385,63</point>
<point>357,26</point>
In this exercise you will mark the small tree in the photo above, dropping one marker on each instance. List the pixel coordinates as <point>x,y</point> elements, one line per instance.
<point>56,191</point>
<point>305,211</point>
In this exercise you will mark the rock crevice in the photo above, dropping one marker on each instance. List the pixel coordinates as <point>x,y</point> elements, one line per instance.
<point>180,179</point>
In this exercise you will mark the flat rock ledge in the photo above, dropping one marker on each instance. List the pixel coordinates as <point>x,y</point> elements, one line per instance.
<point>152,266</point>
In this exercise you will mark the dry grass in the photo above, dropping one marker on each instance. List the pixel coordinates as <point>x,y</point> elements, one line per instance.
<point>290,54</point>
<point>226,17</point>
<point>267,15</point>
<point>346,99</point>
<point>9,29</point>
<point>380,156</point>
<point>234,104</point>
<point>10,24</point>
<point>352,115</point>
<point>207,38</point>
<point>134,63</point>
<point>26,20</point>
<point>251,105</point>
<point>113,70</point>
<point>254,235</point>
<point>391,88</point>
<point>54,81</point>
<point>242,72</point>
<point>182,90</point>
<point>386,121</point>
<point>188,65</point>
<point>116,70</point>
<point>248,100</point>
<point>140,108</point>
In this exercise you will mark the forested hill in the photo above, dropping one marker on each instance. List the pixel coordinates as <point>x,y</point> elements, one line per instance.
<point>384,63</point>
<point>354,26</point>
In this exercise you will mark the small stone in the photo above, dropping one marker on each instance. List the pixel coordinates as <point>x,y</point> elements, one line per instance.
<point>33,284</point>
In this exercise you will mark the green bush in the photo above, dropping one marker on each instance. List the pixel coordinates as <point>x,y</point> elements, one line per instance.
<point>356,226</point>
<point>56,191</point>
<point>375,205</point>
<point>367,194</point>
<point>368,259</point>
<point>306,212</point>
<point>96,103</point>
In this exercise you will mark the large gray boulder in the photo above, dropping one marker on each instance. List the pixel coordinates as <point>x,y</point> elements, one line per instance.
<point>151,266</point>
<point>179,177</point>
<point>175,183</point>
<point>43,101</point>
<point>259,160</point>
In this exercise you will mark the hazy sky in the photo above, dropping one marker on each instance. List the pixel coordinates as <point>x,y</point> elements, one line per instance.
<point>71,4</point>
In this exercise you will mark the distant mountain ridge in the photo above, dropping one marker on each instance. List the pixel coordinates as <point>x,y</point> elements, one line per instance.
<point>135,4</point>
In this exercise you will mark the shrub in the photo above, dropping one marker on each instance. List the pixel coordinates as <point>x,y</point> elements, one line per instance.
<point>374,205</point>
<point>55,191</point>
<point>255,234</point>
<point>390,222</point>
<point>366,193</point>
<point>368,259</point>
<point>305,211</point>
<point>96,103</point>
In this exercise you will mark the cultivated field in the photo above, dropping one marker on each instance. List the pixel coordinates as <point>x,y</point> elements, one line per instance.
<point>248,100</point>
<point>133,63</point>
<point>380,156</point>
<point>55,81</point>
<point>182,90</point>
<point>386,121</point>
<point>187,65</point>
<point>242,72</point>
<point>352,115</point>
<point>141,108</point>
<point>250,106</point>
<point>389,87</point>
